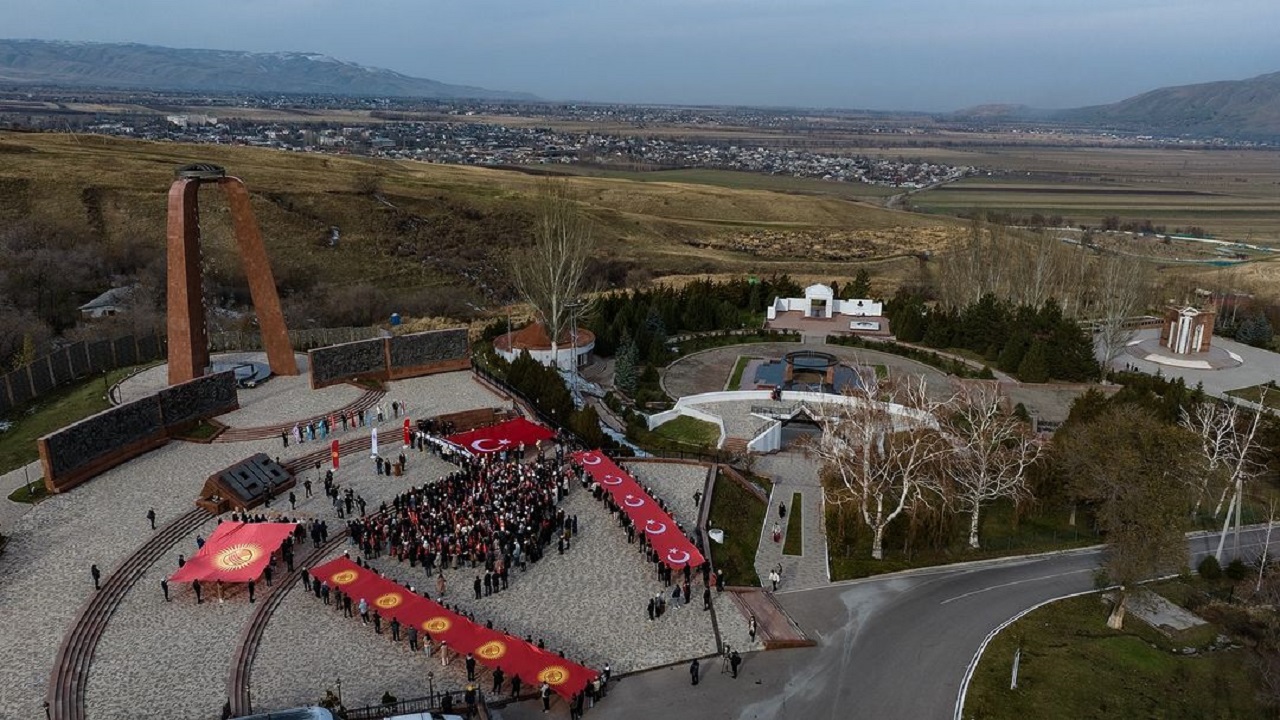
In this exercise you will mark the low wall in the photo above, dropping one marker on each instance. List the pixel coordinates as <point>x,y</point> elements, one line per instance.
<point>82,450</point>
<point>391,358</point>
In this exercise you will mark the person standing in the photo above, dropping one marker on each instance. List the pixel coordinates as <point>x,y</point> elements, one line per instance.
<point>250,591</point>
<point>97,575</point>
<point>195,585</point>
<point>706,598</point>
<point>164,587</point>
<point>515,686</point>
<point>774,578</point>
<point>293,501</point>
<point>545,692</point>
<point>413,639</point>
<point>151,518</point>
<point>306,486</point>
<point>497,680</point>
<point>471,667</point>
<point>734,661</point>
<point>693,671</point>
<point>751,628</point>
<point>395,630</point>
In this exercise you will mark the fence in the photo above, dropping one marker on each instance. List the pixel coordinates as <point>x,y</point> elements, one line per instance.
<point>431,704</point>
<point>75,362</point>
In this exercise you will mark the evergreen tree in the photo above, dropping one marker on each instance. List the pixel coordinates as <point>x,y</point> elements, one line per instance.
<point>860,288</point>
<point>1013,351</point>
<point>624,369</point>
<point>586,424</point>
<point>1034,367</point>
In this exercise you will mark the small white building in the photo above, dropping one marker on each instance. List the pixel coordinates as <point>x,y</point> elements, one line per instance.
<point>819,302</point>
<point>572,347</point>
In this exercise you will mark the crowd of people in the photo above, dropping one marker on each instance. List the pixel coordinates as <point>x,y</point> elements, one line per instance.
<point>490,513</point>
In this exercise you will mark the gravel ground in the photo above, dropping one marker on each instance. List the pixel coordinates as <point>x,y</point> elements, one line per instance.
<point>44,572</point>
<point>176,647</point>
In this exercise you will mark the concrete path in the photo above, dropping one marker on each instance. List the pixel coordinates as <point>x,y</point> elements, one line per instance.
<point>793,473</point>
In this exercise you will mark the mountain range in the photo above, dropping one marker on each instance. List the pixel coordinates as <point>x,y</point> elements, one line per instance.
<point>131,65</point>
<point>1240,109</point>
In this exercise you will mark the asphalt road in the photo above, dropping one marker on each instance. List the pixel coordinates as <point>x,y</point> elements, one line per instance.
<point>889,647</point>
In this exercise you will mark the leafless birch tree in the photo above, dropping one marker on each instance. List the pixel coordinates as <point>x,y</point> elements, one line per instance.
<point>550,275</point>
<point>1120,292</point>
<point>991,451</point>
<point>1229,446</point>
<point>883,462</point>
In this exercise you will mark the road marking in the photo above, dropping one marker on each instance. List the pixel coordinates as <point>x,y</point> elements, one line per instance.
<point>1016,582</point>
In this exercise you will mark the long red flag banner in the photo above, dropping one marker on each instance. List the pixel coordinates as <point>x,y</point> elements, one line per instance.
<point>490,647</point>
<point>672,545</point>
<point>507,435</point>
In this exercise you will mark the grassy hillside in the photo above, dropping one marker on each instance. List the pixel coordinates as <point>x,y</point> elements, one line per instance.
<point>439,231</point>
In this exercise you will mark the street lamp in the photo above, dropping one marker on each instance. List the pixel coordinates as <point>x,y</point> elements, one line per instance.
<point>431,683</point>
<point>339,683</point>
<point>574,307</point>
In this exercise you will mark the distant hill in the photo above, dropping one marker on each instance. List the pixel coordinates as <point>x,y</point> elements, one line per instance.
<point>130,65</point>
<point>1229,108</point>
<point>1241,109</point>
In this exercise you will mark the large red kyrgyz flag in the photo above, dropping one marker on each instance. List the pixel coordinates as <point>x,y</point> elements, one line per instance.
<point>507,435</point>
<point>672,545</point>
<point>236,552</point>
<point>490,647</point>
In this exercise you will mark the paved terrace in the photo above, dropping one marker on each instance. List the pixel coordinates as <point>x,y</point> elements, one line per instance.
<point>159,659</point>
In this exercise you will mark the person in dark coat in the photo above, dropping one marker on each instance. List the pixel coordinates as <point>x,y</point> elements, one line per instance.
<point>734,661</point>
<point>693,671</point>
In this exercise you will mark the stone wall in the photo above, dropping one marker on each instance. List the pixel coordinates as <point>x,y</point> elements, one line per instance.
<point>427,352</point>
<point>393,358</point>
<point>80,451</point>
<point>340,363</point>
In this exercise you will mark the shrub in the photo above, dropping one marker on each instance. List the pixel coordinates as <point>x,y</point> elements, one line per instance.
<point>1209,568</point>
<point>1237,570</point>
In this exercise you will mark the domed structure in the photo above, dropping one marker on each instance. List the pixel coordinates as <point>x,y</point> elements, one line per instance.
<point>570,347</point>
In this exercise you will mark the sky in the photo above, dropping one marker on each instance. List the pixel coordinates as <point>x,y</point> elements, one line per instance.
<point>926,55</point>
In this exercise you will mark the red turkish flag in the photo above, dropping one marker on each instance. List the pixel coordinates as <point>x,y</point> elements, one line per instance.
<point>333,453</point>
<point>406,432</point>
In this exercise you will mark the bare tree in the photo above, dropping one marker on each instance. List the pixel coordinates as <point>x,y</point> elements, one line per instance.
<point>879,448</point>
<point>1120,292</point>
<point>991,451</point>
<point>550,275</point>
<point>1229,447</point>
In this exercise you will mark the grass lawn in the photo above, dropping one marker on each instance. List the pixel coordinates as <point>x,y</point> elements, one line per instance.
<point>741,515</point>
<point>57,409</point>
<point>735,379</point>
<point>690,431</point>
<point>1001,534</point>
<point>1254,394</point>
<point>794,544</point>
<point>1072,666</point>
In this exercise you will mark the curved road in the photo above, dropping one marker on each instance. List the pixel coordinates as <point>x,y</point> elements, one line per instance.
<point>888,647</point>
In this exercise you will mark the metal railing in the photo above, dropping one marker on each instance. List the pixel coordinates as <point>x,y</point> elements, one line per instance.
<point>430,704</point>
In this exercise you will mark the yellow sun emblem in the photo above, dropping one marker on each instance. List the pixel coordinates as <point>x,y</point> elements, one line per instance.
<point>237,556</point>
<point>436,624</point>
<point>553,675</point>
<point>492,650</point>
<point>388,601</point>
<point>346,577</point>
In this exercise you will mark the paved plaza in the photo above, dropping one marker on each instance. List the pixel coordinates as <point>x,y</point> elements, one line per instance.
<point>172,659</point>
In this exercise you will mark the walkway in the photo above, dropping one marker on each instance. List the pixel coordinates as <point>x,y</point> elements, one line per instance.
<point>792,473</point>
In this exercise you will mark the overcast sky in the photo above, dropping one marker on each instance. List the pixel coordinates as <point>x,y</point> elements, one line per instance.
<point>876,54</point>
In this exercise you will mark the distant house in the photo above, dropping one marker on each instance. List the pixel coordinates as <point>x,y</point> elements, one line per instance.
<point>572,348</point>
<point>110,303</point>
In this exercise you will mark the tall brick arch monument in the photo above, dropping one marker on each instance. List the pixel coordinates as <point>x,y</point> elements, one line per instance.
<point>188,331</point>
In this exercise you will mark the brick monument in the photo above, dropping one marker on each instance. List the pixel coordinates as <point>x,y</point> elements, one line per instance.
<point>188,332</point>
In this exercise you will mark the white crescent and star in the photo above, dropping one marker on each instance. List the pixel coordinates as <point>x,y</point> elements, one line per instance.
<point>651,524</point>
<point>480,446</point>
<point>591,460</point>
<point>678,556</point>
<point>628,501</point>
<point>611,480</point>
